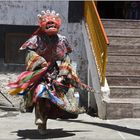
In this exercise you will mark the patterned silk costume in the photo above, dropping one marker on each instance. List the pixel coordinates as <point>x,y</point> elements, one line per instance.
<point>49,83</point>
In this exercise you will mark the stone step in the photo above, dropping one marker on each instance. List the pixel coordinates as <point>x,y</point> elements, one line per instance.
<point>121,23</point>
<point>124,59</point>
<point>122,32</point>
<point>124,50</point>
<point>124,92</point>
<point>123,80</point>
<point>122,108</point>
<point>122,69</point>
<point>124,41</point>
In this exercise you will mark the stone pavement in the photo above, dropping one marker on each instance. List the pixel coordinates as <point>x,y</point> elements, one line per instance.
<point>15,125</point>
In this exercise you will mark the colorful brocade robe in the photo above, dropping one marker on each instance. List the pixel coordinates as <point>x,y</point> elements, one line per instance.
<point>49,73</point>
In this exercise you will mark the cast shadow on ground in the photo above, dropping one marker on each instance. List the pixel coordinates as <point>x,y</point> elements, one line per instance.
<point>135,132</point>
<point>51,133</point>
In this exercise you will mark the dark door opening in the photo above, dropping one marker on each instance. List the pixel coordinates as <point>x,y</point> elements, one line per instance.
<point>11,38</point>
<point>119,9</point>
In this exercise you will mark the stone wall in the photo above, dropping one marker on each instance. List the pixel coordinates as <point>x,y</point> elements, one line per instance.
<point>22,12</point>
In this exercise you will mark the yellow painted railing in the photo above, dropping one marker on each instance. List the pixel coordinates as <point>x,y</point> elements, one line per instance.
<point>98,38</point>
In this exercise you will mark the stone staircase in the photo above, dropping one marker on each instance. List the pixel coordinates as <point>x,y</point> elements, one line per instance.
<point>123,68</point>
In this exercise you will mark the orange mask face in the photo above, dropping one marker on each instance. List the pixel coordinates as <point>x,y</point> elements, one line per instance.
<point>49,22</point>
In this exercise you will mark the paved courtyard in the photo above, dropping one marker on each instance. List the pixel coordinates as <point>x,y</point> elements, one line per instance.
<point>15,125</point>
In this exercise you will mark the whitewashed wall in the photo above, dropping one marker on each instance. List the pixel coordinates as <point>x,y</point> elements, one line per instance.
<point>24,12</point>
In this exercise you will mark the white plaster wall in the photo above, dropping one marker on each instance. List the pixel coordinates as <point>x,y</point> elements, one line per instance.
<point>24,12</point>
<point>75,37</point>
<point>93,78</point>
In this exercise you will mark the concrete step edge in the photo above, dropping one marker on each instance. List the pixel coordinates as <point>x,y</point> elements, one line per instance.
<point>123,54</point>
<point>125,87</point>
<point>122,76</point>
<point>122,101</point>
<point>121,20</point>
<point>124,36</point>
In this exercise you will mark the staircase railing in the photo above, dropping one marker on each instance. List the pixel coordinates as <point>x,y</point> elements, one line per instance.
<point>98,38</point>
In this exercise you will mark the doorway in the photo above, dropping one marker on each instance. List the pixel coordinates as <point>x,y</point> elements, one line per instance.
<point>119,9</point>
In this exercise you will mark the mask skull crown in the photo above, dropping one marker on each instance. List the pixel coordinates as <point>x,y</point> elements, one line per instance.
<point>49,22</point>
